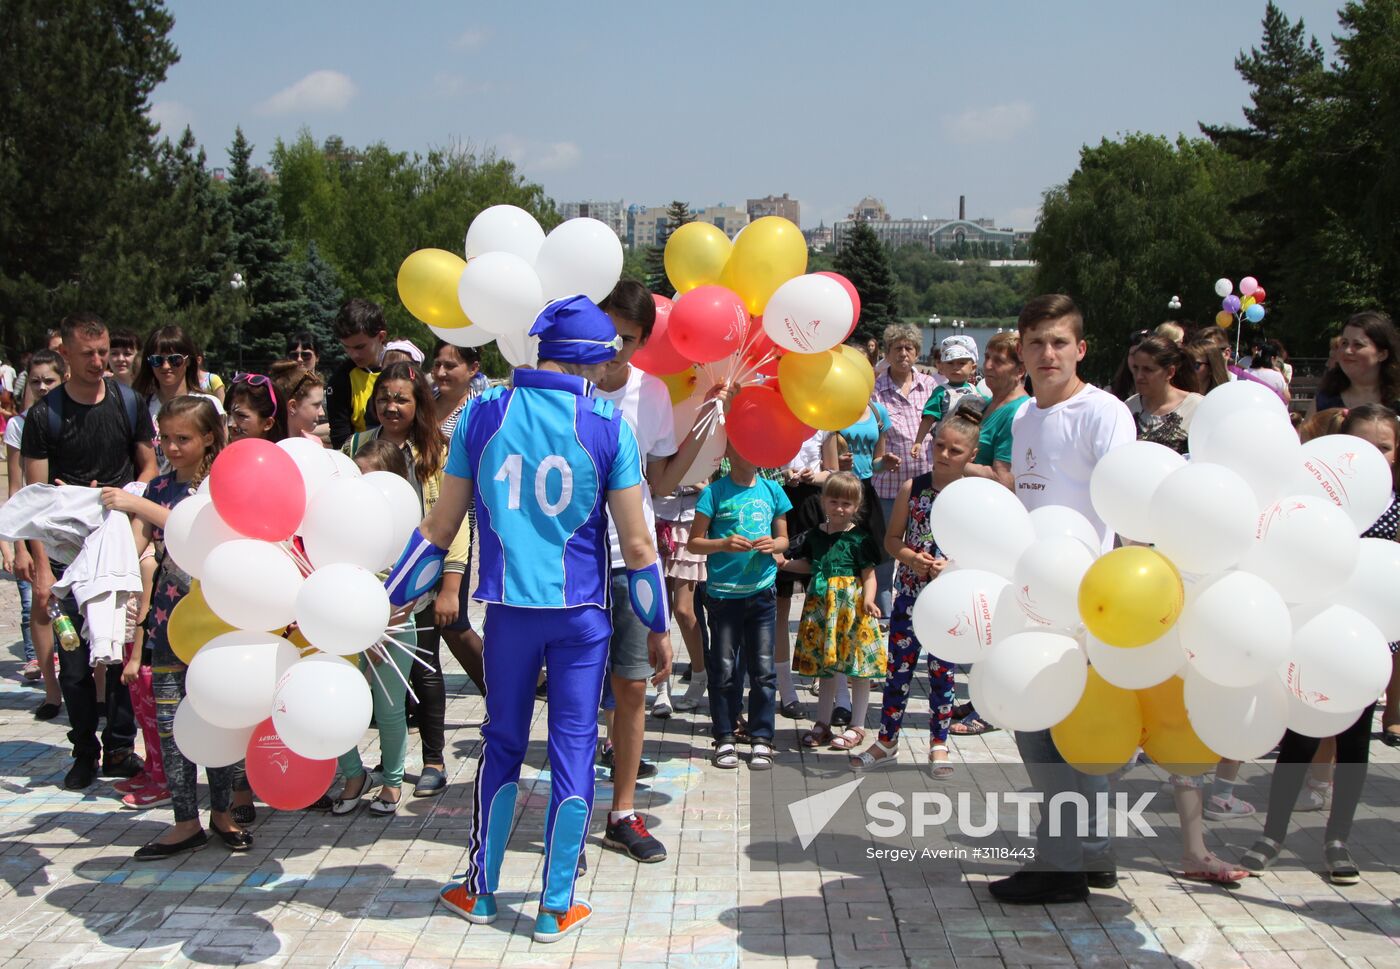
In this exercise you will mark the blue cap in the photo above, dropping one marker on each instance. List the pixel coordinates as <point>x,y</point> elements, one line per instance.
<point>575,330</point>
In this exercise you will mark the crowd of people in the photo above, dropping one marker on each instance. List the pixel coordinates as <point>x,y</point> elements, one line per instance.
<point>633,543</point>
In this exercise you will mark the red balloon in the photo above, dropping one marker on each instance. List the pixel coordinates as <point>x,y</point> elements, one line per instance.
<point>1259,295</point>
<point>708,324</point>
<point>281,777</point>
<point>258,490</point>
<point>851,292</point>
<point>761,345</point>
<point>659,355</point>
<point>763,429</point>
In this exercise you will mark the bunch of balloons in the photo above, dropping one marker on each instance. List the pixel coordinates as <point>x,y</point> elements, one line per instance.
<point>1248,305</point>
<point>1244,604</point>
<point>747,312</point>
<point>511,270</point>
<point>283,594</point>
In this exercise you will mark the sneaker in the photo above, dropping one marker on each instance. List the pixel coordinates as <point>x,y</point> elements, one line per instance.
<point>477,909</point>
<point>1040,888</point>
<point>661,706</point>
<point>841,717</point>
<point>123,764</point>
<point>630,836</point>
<point>149,797</point>
<point>694,693</point>
<point>132,784</point>
<point>82,775</point>
<point>608,758</point>
<point>553,926</point>
<point>793,711</point>
<point>1224,808</point>
<point>47,710</point>
<point>31,670</point>
<point>1313,797</point>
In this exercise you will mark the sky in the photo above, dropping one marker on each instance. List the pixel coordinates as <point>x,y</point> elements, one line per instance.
<point>714,101</point>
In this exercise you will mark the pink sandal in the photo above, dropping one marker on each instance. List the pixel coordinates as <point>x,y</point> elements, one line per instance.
<point>1215,872</point>
<point>848,739</point>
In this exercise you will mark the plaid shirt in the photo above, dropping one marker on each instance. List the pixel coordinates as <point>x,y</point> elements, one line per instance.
<point>905,414</point>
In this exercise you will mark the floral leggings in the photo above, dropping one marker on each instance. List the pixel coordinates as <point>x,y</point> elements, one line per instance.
<point>904,652</point>
<point>168,685</point>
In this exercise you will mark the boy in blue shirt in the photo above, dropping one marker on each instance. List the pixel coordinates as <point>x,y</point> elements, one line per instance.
<point>739,525</point>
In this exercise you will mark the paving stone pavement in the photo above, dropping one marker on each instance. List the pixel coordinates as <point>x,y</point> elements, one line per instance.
<point>360,891</point>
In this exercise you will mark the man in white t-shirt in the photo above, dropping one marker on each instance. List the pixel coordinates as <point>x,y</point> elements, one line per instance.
<point>645,404</point>
<point>1056,440</point>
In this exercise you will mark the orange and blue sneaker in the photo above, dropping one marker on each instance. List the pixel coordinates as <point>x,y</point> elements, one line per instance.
<point>553,926</point>
<point>480,909</point>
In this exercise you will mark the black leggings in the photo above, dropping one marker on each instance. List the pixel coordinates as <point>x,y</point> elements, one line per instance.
<point>1295,753</point>
<point>430,688</point>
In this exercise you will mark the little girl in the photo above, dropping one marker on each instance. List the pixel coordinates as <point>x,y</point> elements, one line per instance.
<point>253,409</point>
<point>912,543</point>
<point>149,788</point>
<point>840,631</point>
<point>191,435</point>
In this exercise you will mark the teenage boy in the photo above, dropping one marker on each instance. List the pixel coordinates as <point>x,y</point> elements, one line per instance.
<point>359,326</point>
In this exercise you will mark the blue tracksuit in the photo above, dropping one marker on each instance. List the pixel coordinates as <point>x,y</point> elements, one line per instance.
<point>541,458</point>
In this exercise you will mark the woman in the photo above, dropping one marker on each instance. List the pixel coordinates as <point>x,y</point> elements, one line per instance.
<point>303,396</point>
<point>168,363</point>
<point>1166,397</point>
<point>1208,363</point>
<point>1005,375</point>
<point>1368,365</point>
<point>301,347</point>
<point>1265,367</point>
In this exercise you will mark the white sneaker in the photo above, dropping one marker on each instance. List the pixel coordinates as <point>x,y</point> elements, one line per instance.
<point>1313,797</point>
<point>661,706</point>
<point>1224,808</point>
<point>694,693</point>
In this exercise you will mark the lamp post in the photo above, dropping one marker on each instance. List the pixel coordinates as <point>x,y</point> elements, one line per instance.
<point>239,286</point>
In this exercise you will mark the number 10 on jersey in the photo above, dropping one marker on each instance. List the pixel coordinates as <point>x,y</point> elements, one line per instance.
<point>512,471</point>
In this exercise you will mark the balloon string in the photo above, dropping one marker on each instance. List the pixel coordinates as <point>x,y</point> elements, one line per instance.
<point>300,560</point>
<point>412,651</point>
<point>384,653</point>
<point>375,673</point>
<point>750,372</point>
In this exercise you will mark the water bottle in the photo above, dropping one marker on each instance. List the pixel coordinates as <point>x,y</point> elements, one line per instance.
<point>63,630</point>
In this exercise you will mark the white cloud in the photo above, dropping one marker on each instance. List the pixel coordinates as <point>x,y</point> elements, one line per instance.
<point>1000,122</point>
<point>536,156</point>
<point>449,85</point>
<point>317,91</point>
<point>470,39</point>
<point>172,116</point>
<point>556,156</point>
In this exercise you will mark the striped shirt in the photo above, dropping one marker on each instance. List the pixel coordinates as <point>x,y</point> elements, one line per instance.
<point>905,413</point>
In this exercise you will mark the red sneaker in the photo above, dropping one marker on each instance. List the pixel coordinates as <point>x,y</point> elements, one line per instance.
<point>553,926</point>
<point>132,784</point>
<point>147,797</point>
<point>478,909</point>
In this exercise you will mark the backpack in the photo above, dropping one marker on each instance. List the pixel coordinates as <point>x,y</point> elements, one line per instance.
<point>131,404</point>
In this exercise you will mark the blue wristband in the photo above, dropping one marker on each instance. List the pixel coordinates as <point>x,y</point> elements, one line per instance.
<point>416,572</point>
<point>646,587</point>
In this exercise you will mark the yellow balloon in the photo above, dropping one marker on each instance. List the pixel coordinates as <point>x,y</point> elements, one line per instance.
<point>1224,319</point>
<point>1131,596</point>
<point>858,360</point>
<point>695,255</point>
<point>1104,730</point>
<point>428,287</point>
<point>1168,737</point>
<point>766,254</point>
<point>825,390</point>
<point>681,385</point>
<point>192,624</point>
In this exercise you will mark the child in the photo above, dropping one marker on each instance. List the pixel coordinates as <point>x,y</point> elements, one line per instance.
<point>252,409</point>
<point>149,788</point>
<point>957,363</point>
<point>912,544</point>
<point>739,525</point>
<point>840,631</point>
<point>191,436</point>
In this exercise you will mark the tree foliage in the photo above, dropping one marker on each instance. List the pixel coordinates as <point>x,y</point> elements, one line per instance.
<point>866,263</point>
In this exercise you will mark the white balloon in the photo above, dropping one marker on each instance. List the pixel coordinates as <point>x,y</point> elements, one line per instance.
<point>405,510</point>
<point>1339,660</point>
<point>1034,679</point>
<point>519,349</point>
<point>193,530</point>
<point>313,460</point>
<point>350,521</point>
<point>1260,446</point>
<point>322,707</point>
<point>342,609</point>
<point>1312,722</point>
<point>504,228</point>
<point>988,706</point>
<point>1008,618</point>
<point>808,314</point>
<point>251,584</point>
<point>1050,521</point>
<point>1231,398</point>
<point>1371,590</point>
<point>1203,517</point>
<point>1305,547</point>
<point>981,525</point>
<point>953,614</point>
<point>345,466</point>
<point>706,463</point>
<point>1140,667</point>
<point>232,678</point>
<point>1123,483</point>
<point>1047,580</point>
<point>501,293</point>
<point>1242,723</point>
<point>579,256</point>
<point>1235,630</point>
<point>205,744</point>
<point>1351,473</point>
<point>462,336</point>
<point>1223,287</point>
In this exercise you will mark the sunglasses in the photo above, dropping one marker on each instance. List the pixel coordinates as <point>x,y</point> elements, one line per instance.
<point>302,354</point>
<point>176,360</point>
<point>259,380</point>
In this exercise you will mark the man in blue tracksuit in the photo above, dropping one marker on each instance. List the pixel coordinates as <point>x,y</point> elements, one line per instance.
<point>546,463</point>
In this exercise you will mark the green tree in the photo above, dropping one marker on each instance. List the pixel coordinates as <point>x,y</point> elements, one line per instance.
<point>323,297</point>
<point>866,263</point>
<point>677,215</point>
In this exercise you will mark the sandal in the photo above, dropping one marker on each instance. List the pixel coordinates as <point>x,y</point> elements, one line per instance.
<point>725,756</point>
<point>1261,856</point>
<point>1213,870</point>
<point>972,725</point>
<point>940,769</point>
<point>818,736</point>
<point>1340,868</point>
<point>848,739</point>
<point>867,759</point>
<point>761,757</point>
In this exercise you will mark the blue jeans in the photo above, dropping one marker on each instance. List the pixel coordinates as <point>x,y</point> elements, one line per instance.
<point>741,641</point>
<point>884,574</point>
<point>26,605</point>
<point>1050,775</point>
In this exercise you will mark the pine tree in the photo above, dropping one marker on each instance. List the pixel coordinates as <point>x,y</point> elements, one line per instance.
<point>323,297</point>
<point>677,214</point>
<point>865,262</point>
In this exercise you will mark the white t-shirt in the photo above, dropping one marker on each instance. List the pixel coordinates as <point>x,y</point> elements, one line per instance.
<point>7,377</point>
<point>1270,378</point>
<point>646,407</point>
<point>810,454</point>
<point>14,432</point>
<point>1054,450</point>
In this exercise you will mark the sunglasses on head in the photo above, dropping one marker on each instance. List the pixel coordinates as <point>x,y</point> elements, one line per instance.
<point>176,360</point>
<point>259,380</point>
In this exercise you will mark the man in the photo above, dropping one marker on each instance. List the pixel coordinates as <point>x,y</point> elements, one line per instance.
<point>1056,440</point>
<point>359,326</point>
<point>88,431</point>
<point>903,391</point>
<point>645,404</point>
<point>540,461</point>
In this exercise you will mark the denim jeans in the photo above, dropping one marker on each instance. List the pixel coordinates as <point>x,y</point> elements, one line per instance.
<point>1050,775</point>
<point>884,574</point>
<point>741,641</point>
<point>26,606</point>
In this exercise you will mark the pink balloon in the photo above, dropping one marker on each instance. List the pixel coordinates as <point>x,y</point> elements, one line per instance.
<point>258,490</point>
<point>851,292</point>
<point>659,355</point>
<point>281,777</point>
<point>708,324</point>
<point>1248,285</point>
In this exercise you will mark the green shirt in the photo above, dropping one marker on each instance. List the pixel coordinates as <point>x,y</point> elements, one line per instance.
<point>994,440</point>
<point>845,554</point>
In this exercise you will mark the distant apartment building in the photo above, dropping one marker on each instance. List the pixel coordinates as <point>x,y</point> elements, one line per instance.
<point>647,226</point>
<point>728,218</point>
<point>818,238</point>
<point>784,207</point>
<point>614,214</point>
